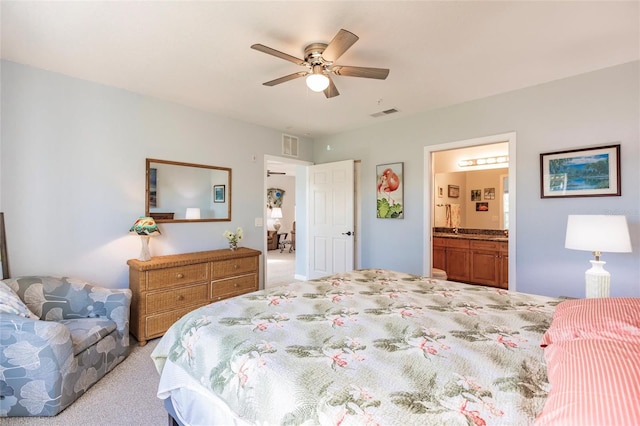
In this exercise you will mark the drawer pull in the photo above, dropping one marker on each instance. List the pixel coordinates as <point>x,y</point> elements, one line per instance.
<point>179,275</point>
<point>181,297</point>
<point>236,266</point>
<point>237,285</point>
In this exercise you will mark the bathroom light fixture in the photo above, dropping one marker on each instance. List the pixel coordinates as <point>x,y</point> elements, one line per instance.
<point>317,81</point>
<point>598,233</point>
<point>484,161</point>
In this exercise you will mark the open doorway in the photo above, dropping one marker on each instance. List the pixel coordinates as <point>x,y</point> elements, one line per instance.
<point>282,207</point>
<point>436,194</point>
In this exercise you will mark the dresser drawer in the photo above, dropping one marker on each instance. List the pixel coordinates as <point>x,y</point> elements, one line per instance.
<point>178,298</point>
<point>157,325</point>
<point>232,267</point>
<point>233,286</point>
<point>169,277</point>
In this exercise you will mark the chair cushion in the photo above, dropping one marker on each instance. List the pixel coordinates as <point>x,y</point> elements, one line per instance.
<point>10,303</point>
<point>85,332</point>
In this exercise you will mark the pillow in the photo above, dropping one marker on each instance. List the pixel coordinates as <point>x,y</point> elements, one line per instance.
<point>593,382</point>
<point>10,303</point>
<point>606,318</point>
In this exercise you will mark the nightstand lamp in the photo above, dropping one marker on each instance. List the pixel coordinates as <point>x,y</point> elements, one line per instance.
<point>597,234</point>
<point>145,227</point>
<point>193,213</point>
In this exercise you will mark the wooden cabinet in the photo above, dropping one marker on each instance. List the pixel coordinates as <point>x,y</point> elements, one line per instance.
<point>473,261</point>
<point>167,287</point>
<point>504,266</point>
<point>490,263</point>
<point>456,258</point>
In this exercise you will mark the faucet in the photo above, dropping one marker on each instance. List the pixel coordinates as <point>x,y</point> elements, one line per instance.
<point>455,231</point>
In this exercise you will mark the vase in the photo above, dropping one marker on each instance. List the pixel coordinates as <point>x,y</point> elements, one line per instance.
<point>233,246</point>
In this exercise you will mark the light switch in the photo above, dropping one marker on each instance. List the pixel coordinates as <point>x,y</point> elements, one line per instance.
<point>258,222</point>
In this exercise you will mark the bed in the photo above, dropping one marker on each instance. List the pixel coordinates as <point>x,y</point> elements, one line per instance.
<point>367,347</point>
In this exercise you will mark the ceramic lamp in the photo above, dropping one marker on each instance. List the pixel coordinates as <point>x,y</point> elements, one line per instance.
<point>145,227</point>
<point>597,234</point>
<point>276,213</point>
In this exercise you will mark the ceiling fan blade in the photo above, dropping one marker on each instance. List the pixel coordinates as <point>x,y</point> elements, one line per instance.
<point>340,43</point>
<point>331,91</point>
<point>366,72</point>
<point>285,78</point>
<point>264,49</point>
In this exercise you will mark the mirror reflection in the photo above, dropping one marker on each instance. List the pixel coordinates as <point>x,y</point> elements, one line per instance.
<point>477,199</point>
<point>184,192</point>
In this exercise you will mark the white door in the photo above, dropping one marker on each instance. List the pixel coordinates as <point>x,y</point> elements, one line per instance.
<point>330,218</point>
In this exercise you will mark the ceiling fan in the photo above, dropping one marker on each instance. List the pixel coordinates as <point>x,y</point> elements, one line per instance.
<point>319,61</point>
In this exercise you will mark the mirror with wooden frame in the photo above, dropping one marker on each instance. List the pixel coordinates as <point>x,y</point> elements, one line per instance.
<point>3,249</point>
<point>185,192</point>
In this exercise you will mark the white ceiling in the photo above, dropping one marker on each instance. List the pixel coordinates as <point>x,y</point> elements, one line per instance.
<point>439,53</point>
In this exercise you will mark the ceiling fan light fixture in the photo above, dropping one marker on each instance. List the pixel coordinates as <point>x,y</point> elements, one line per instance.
<point>317,81</point>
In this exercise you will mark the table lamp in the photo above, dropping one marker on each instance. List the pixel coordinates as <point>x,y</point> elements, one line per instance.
<point>276,213</point>
<point>597,234</point>
<point>192,213</point>
<point>145,227</point>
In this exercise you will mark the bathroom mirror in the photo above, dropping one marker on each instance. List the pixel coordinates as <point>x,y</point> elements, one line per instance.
<point>476,199</point>
<point>184,192</point>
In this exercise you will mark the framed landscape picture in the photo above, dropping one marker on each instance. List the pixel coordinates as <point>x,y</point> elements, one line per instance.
<point>589,172</point>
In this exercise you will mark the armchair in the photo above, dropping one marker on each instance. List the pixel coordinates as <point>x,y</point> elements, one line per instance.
<point>82,333</point>
<point>272,240</point>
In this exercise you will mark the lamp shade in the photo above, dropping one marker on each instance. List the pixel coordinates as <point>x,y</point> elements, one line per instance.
<point>145,226</point>
<point>276,213</point>
<point>598,233</point>
<point>192,213</point>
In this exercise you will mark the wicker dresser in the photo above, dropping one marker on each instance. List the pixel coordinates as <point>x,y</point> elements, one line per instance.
<point>167,287</point>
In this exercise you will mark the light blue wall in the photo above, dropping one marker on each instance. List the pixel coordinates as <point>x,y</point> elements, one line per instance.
<point>593,109</point>
<point>73,173</point>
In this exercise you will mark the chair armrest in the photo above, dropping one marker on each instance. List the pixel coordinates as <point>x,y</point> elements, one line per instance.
<point>35,357</point>
<point>25,342</point>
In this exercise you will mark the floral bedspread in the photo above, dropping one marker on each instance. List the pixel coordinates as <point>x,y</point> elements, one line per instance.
<point>372,347</point>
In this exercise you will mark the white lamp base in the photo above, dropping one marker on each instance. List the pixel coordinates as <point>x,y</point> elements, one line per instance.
<point>276,225</point>
<point>144,250</point>
<point>598,280</point>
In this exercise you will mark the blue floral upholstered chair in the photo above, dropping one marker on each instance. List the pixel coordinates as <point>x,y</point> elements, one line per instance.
<point>58,337</point>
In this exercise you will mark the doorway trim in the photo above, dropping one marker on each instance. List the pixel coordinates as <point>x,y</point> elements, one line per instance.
<point>429,196</point>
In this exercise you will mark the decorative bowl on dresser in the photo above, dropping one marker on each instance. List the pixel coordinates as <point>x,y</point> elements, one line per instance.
<point>167,287</point>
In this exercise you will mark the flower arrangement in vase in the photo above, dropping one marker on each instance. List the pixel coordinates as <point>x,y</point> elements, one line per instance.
<point>233,238</point>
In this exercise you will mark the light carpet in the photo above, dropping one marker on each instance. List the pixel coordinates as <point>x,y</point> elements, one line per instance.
<point>280,268</point>
<point>125,396</point>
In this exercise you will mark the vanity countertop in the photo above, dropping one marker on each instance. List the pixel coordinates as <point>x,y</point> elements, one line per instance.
<point>465,236</point>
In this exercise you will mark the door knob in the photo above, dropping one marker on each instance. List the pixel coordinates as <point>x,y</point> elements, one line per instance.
<point>347,233</point>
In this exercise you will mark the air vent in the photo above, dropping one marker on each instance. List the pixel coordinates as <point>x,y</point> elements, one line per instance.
<point>289,145</point>
<point>385,112</point>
